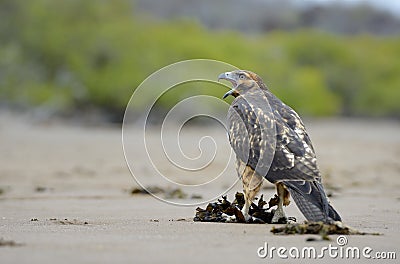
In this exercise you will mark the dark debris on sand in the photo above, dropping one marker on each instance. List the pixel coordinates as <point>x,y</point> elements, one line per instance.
<point>9,243</point>
<point>318,228</point>
<point>167,192</point>
<point>222,209</point>
<point>66,221</point>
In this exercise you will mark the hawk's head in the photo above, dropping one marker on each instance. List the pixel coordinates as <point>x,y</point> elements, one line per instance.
<point>242,81</point>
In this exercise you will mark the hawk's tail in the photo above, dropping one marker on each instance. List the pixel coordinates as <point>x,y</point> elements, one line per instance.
<point>311,199</point>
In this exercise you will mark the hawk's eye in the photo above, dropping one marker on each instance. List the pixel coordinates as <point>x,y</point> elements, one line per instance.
<point>242,76</point>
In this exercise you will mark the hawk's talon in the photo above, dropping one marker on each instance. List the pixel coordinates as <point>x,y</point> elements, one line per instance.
<point>246,217</point>
<point>279,216</point>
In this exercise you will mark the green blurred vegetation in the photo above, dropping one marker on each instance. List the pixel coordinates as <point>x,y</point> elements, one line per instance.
<point>76,55</point>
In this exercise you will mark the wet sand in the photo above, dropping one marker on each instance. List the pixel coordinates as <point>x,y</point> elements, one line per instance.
<point>65,197</point>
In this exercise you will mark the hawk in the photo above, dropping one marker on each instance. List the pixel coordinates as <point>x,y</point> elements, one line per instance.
<point>270,141</point>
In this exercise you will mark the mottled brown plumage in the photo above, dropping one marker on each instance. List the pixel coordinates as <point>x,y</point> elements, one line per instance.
<point>271,142</point>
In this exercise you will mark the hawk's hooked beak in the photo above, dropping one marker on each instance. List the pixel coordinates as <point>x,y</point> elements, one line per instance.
<point>228,76</point>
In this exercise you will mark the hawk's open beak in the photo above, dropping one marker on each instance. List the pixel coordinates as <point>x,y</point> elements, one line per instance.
<point>230,92</point>
<point>228,76</point>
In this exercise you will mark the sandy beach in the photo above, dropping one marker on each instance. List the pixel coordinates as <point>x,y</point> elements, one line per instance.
<point>65,196</point>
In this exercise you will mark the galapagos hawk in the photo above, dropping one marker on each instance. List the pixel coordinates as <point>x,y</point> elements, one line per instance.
<point>271,142</point>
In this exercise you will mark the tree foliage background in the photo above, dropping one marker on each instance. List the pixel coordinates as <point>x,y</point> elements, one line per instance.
<point>73,56</point>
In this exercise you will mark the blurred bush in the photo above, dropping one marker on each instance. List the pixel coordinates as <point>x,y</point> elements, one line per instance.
<point>76,55</point>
